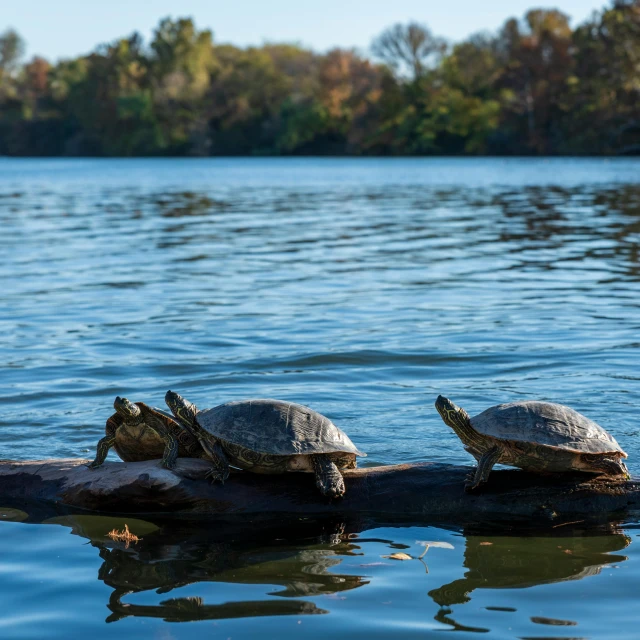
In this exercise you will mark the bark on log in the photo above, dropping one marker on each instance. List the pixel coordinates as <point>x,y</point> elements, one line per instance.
<point>426,492</point>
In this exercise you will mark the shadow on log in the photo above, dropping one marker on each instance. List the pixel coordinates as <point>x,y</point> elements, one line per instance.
<point>426,492</point>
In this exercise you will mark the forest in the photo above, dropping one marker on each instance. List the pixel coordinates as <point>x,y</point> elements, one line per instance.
<point>535,87</point>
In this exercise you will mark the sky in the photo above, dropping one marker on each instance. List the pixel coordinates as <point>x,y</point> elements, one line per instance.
<point>67,28</point>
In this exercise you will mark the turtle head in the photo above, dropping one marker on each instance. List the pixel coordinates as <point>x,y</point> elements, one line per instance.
<point>127,409</point>
<point>453,415</point>
<point>182,409</point>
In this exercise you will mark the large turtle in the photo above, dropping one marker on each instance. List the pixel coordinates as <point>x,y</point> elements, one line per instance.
<point>270,436</point>
<point>535,436</point>
<point>138,432</point>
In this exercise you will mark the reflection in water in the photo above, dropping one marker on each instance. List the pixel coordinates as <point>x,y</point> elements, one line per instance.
<point>193,608</point>
<point>554,622</point>
<point>516,562</point>
<point>444,617</point>
<point>497,562</point>
<point>304,560</point>
<point>174,555</point>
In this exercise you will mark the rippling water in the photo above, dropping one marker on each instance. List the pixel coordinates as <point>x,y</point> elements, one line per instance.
<point>363,288</point>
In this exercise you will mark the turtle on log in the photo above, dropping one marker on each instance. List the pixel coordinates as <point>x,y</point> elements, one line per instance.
<point>269,436</point>
<point>139,432</point>
<point>536,436</point>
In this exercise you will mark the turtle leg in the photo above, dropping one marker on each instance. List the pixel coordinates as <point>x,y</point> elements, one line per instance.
<point>104,444</point>
<point>171,448</point>
<point>213,450</point>
<point>171,444</point>
<point>328,478</point>
<point>485,464</point>
<point>219,471</point>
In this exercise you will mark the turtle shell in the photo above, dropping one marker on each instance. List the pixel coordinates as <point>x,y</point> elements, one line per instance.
<point>275,427</point>
<point>546,424</point>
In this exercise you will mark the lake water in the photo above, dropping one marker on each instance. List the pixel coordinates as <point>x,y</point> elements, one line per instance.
<point>362,288</point>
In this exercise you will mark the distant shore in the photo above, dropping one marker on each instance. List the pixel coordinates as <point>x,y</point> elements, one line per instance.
<point>535,88</point>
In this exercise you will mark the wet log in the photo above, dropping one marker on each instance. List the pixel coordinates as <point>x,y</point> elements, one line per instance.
<point>426,492</point>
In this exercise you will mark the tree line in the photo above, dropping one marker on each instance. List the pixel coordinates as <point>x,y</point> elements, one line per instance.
<point>536,87</point>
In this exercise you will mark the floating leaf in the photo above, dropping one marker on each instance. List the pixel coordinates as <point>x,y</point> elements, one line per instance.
<point>399,556</point>
<point>435,543</point>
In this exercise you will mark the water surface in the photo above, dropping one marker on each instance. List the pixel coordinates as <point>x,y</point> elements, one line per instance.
<point>363,288</point>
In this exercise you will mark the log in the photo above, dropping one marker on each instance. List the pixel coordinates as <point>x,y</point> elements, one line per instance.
<point>426,492</point>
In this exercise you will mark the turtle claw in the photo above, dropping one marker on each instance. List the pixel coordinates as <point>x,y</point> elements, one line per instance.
<point>333,493</point>
<point>470,484</point>
<point>334,489</point>
<point>216,475</point>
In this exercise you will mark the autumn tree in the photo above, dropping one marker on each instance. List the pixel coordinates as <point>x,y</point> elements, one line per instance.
<point>247,94</point>
<point>534,87</point>
<point>338,117</point>
<point>536,63</point>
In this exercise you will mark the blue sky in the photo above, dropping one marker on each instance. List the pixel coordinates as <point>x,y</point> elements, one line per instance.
<point>64,28</point>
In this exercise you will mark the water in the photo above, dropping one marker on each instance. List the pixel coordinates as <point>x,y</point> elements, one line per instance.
<point>363,288</point>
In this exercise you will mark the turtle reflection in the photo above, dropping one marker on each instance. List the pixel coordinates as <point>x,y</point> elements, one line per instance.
<point>176,555</point>
<point>193,608</point>
<point>505,562</point>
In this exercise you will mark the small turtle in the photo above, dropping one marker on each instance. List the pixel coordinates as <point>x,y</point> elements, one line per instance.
<point>269,436</point>
<point>138,432</point>
<point>535,436</point>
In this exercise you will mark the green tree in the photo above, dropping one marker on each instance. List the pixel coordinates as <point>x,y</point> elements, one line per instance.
<point>109,96</point>
<point>604,91</point>
<point>181,64</point>
<point>534,87</point>
<point>252,91</point>
<point>11,51</point>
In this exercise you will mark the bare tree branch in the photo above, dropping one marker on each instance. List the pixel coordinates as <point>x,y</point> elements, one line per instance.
<point>410,50</point>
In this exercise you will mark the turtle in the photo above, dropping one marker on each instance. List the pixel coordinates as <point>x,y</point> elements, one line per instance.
<point>139,432</point>
<point>269,436</point>
<point>543,437</point>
